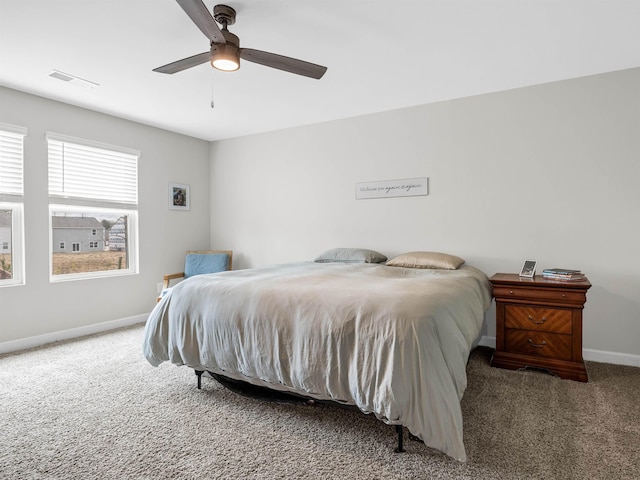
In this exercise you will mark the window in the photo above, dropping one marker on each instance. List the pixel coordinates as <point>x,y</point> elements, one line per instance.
<point>11,201</point>
<point>93,199</point>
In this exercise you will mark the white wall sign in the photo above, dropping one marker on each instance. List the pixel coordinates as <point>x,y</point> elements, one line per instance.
<point>408,187</point>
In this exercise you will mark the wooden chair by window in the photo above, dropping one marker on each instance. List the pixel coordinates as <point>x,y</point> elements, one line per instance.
<point>198,262</point>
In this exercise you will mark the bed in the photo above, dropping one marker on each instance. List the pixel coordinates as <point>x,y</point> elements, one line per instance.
<point>389,339</point>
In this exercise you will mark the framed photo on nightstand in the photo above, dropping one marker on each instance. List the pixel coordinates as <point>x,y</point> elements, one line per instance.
<point>528,269</point>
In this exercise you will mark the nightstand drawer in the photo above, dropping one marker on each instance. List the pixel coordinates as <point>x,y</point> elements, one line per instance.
<point>541,319</point>
<point>543,344</point>
<point>539,294</point>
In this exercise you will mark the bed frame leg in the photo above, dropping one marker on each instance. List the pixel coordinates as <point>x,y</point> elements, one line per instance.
<point>400,447</point>
<point>199,375</point>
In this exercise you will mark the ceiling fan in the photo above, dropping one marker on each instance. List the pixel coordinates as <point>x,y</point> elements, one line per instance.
<point>225,52</point>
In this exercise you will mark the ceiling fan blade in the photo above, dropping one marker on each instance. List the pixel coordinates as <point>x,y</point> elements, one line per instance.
<point>299,67</point>
<point>199,14</point>
<point>175,67</point>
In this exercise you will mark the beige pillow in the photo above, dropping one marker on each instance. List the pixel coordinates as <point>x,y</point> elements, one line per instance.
<point>426,260</point>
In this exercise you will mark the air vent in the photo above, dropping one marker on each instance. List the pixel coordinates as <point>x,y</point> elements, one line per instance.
<point>65,77</point>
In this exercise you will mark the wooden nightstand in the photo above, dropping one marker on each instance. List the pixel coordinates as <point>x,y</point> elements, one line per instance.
<point>539,324</point>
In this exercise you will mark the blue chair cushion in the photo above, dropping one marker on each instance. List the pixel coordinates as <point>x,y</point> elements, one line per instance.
<point>199,263</point>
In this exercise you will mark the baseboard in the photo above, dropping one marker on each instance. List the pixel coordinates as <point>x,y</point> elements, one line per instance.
<point>487,341</point>
<point>38,340</point>
<point>611,357</point>
<point>588,354</point>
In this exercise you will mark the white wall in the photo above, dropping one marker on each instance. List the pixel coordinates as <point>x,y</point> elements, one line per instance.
<point>547,173</point>
<point>38,308</point>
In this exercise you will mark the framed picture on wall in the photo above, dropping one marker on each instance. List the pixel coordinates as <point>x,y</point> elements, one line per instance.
<point>179,196</point>
<point>528,268</point>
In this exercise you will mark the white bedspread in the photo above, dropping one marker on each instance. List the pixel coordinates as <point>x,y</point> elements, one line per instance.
<point>392,341</point>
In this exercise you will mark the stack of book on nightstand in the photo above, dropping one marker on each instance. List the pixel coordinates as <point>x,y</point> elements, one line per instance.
<point>562,274</point>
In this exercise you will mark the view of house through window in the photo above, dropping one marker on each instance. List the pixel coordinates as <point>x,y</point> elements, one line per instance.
<point>6,235</point>
<point>89,241</point>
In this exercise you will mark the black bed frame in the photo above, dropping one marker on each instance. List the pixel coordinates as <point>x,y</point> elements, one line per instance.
<point>263,393</point>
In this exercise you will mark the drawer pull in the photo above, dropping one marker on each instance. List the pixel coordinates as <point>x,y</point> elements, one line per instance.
<point>537,345</point>
<point>510,292</point>
<point>537,322</point>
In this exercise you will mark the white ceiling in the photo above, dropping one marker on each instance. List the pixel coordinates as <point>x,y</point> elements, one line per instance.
<point>380,55</point>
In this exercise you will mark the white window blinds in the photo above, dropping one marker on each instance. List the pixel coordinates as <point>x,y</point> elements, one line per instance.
<point>85,170</point>
<point>11,151</point>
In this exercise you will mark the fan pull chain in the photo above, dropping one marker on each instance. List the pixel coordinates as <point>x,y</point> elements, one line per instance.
<point>212,104</point>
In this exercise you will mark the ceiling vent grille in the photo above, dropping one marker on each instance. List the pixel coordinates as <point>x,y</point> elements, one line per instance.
<point>65,77</point>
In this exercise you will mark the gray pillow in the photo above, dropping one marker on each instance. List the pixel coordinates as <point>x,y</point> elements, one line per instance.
<point>351,255</point>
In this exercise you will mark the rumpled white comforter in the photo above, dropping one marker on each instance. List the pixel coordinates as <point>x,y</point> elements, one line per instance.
<point>393,341</point>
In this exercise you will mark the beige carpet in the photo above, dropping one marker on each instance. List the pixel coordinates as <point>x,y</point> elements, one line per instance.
<point>95,409</point>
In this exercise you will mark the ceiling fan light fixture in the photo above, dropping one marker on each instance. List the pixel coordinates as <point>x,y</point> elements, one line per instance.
<point>225,61</point>
<point>226,56</point>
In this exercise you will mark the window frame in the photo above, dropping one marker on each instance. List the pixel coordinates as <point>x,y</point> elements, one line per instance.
<point>12,198</point>
<point>74,203</point>
<point>17,244</point>
<point>132,247</point>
